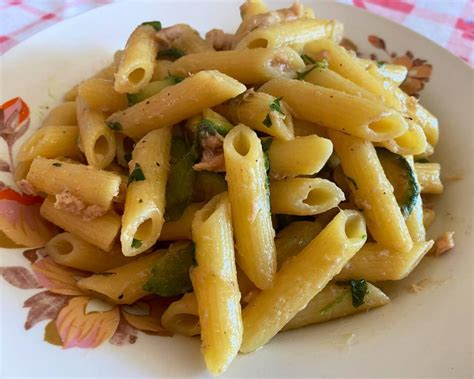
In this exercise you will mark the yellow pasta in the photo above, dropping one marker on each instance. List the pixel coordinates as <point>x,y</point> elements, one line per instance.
<point>63,114</point>
<point>252,7</point>
<point>182,316</point>
<point>249,199</point>
<point>143,216</point>
<point>190,42</point>
<point>304,196</point>
<point>250,66</point>
<point>181,228</point>
<point>138,61</point>
<point>337,110</point>
<point>85,183</point>
<point>215,284</point>
<point>176,103</point>
<point>261,112</point>
<point>300,156</point>
<point>99,94</point>
<point>429,177</point>
<point>72,251</point>
<point>98,140</point>
<point>101,231</point>
<point>373,192</point>
<point>374,262</point>
<point>301,278</point>
<point>412,142</point>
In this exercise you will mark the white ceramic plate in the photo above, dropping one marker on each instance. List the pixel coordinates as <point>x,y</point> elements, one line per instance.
<point>424,334</point>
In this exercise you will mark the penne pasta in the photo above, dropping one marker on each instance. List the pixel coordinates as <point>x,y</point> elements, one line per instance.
<point>143,216</point>
<point>429,177</point>
<point>249,66</point>
<point>250,205</point>
<point>98,140</point>
<point>181,228</point>
<point>304,196</point>
<point>374,262</point>
<point>99,94</point>
<point>182,316</point>
<point>176,103</point>
<point>300,156</point>
<point>261,112</point>
<point>101,231</point>
<point>138,61</point>
<point>372,191</point>
<point>85,183</point>
<point>337,110</point>
<point>302,278</point>
<point>333,302</point>
<point>72,251</point>
<point>412,142</point>
<point>63,114</point>
<point>215,284</point>
<point>251,8</point>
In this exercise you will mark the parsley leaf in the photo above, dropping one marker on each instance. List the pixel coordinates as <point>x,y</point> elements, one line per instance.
<point>136,175</point>
<point>174,78</point>
<point>155,24</point>
<point>359,289</point>
<point>267,121</point>
<point>322,65</point>
<point>114,125</point>
<point>275,106</point>
<point>171,53</point>
<point>136,243</point>
<point>57,164</point>
<point>307,59</point>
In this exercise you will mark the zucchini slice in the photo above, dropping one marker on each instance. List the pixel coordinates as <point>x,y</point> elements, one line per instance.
<point>402,177</point>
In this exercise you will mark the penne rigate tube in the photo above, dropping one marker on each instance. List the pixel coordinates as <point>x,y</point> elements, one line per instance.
<point>250,204</point>
<point>97,139</point>
<point>337,110</point>
<point>294,34</point>
<point>429,177</point>
<point>249,66</point>
<point>176,103</point>
<point>143,216</point>
<point>72,251</point>
<point>299,156</point>
<point>182,316</point>
<point>63,114</point>
<point>86,183</point>
<point>261,112</point>
<point>301,278</point>
<point>304,196</point>
<point>372,191</point>
<point>333,302</point>
<point>215,284</point>
<point>138,61</point>
<point>395,73</point>
<point>101,231</point>
<point>51,142</point>
<point>349,66</point>
<point>251,8</point>
<point>375,262</point>
<point>99,94</point>
<point>181,228</point>
<point>123,284</point>
<point>412,142</point>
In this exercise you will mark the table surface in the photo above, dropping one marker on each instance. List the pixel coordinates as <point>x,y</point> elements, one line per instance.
<point>450,23</point>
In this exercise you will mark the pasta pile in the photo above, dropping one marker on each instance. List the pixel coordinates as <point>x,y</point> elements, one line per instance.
<point>260,178</point>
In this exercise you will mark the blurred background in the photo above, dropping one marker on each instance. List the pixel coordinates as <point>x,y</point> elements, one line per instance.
<point>450,23</point>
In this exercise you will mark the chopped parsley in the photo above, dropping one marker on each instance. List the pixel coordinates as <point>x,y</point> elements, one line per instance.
<point>359,289</point>
<point>307,59</point>
<point>57,164</point>
<point>322,65</point>
<point>275,106</point>
<point>175,78</point>
<point>136,243</point>
<point>171,53</point>
<point>156,24</point>
<point>136,175</point>
<point>267,121</point>
<point>114,125</point>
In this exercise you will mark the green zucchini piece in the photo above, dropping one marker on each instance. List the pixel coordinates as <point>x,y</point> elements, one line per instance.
<point>402,177</point>
<point>207,185</point>
<point>170,275</point>
<point>151,89</point>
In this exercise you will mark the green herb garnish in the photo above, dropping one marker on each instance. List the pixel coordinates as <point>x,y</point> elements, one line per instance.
<point>136,243</point>
<point>114,125</point>
<point>174,78</point>
<point>322,65</point>
<point>156,24</point>
<point>307,59</point>
<point>267,121</point>
<point>275,106</point>
<point>359,289</point>
<point>171,53</point>
<point>380,64</point>
<point>136,175</point>
<point>57,164</point>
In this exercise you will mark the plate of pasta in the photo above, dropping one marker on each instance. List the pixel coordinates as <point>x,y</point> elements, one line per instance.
<point>247,190</point>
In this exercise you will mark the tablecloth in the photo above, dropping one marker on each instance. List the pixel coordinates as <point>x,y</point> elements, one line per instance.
<point>450,23</point>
